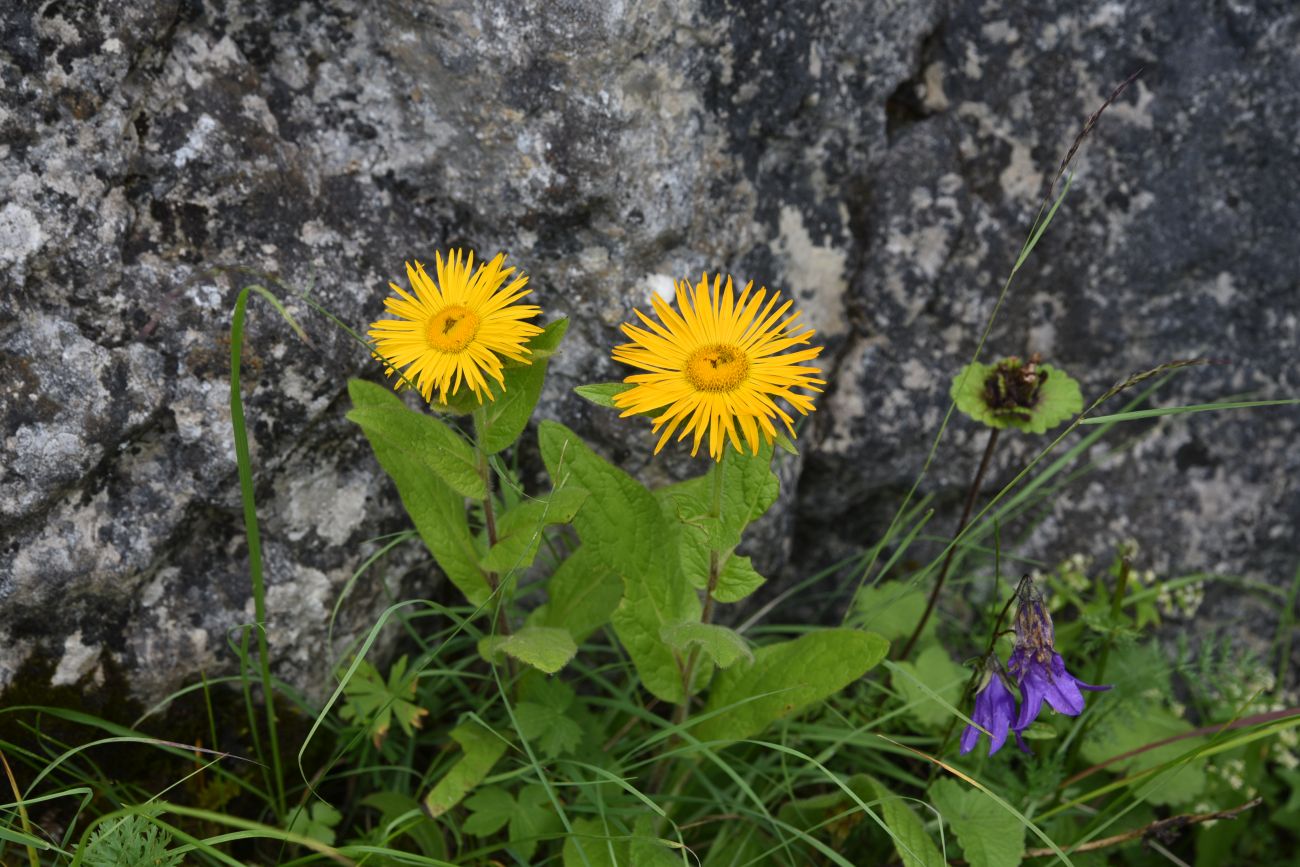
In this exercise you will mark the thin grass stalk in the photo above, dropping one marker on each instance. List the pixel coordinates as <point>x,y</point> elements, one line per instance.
<point>253,535</point>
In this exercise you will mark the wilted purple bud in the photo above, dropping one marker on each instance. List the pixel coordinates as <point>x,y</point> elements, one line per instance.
<point>995,707</point>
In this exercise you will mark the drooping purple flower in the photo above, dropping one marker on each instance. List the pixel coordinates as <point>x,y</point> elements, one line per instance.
<point>1045,679</point>
<point>1038,669</point>
<point>995,707</point>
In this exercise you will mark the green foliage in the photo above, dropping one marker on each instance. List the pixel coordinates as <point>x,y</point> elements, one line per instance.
<point>519,530</point>
<point>988,834</point>
<point>528,816</point>
<point>506,417</point>
<point>546,648</point>
<point>375,703</point>
<point>786,678</point>
<point>129,841</point>
<point>437,511</point>
<point>621,524</point>
<point>481,750</point>
<point>420,438</point>
<point>543,716</point>
<point>931,686</point>
<point>722,645</point>
<point>583,594</point>
<point>603,393</point>
<point>317,821</point>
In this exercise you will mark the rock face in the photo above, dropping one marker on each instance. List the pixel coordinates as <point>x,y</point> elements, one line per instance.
<point>880,161</point>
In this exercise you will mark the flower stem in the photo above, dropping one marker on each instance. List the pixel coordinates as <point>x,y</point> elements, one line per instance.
<point>683,711</point>
<point>490,523</point>
<point>952,548</point>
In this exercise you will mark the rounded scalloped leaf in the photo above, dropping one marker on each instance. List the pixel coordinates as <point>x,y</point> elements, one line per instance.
<point>1059,398</point>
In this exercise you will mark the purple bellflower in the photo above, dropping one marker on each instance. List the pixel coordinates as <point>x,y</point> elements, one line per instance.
<point>1038,668</point>
<point>995,707</point>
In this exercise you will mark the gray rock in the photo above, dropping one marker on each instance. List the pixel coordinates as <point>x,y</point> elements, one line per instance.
<point>881,163</point>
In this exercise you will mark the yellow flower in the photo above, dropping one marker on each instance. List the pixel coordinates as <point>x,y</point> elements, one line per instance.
<point>717,366</point>
<point>456,330</point>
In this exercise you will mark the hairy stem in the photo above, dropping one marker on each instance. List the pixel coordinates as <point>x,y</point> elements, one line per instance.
<point>490,524</point>
<point>952,548</point>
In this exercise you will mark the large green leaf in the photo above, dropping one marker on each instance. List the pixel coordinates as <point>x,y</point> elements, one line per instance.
<point>437,511</point>
<point>988,834</point>
<point>399,810</point>
<point>519,530</point>
<point>424,439</point>
<point>508,415</point>
<point>786,678</point>
<point>481,750</point>
<point>583,593</point>
<point>623,526</point>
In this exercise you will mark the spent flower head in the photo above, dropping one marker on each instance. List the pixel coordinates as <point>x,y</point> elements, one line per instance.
<point>717,365</point>
<point>455,330</point>
<point>1026,395</point>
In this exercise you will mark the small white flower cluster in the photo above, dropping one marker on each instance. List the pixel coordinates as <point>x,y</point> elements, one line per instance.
<point>1143,577</point>
<point>1233,772</point>
<point>1183,601</point>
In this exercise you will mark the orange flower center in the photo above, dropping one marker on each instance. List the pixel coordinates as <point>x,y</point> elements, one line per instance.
<point>718,367</point>
<point>452,329</point>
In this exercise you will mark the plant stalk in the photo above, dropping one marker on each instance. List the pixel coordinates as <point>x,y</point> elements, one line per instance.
<point>490,523</point>
<point>971,497</point>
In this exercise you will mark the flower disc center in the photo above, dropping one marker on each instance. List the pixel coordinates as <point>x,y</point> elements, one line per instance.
<point>718,367</point>
<point>452,328</point>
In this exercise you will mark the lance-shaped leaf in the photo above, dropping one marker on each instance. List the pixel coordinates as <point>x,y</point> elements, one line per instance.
<point>786,678</point>
<point>508,415</point>
<point>424,439</point>
<point>603,393</point>
<point>623,526</point>
<point>437,511</point>
<point>481,749</point>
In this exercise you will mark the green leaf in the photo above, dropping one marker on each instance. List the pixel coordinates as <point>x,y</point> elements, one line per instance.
<point>786,678</point>
<point>749,488</point>
<point>375,703</point>
<point>507,416</point>
<point>933,674</point>
<point>519,530</point>
<point>988,834</point>
<point>481,750</point>
<point>892,609</point>
<point>552,730</point>
<point>648,850</point>
<point>738,580</point>
<point>534,817</point>
<point>591,845</point>
<point>545,648</point>
<point>603,393</point>
<point>914,845</point>
<point>724,646</point>
<point>490,810</point>
<point>583,593</point>
<point>437,511</point>
<point>395,806</point>
<point>424,439</point>
<point>317,822</point>
<point>624,527</point>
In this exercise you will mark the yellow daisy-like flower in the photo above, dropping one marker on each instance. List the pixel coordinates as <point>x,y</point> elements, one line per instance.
<point>717,366</point>
<point>458,329</point>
